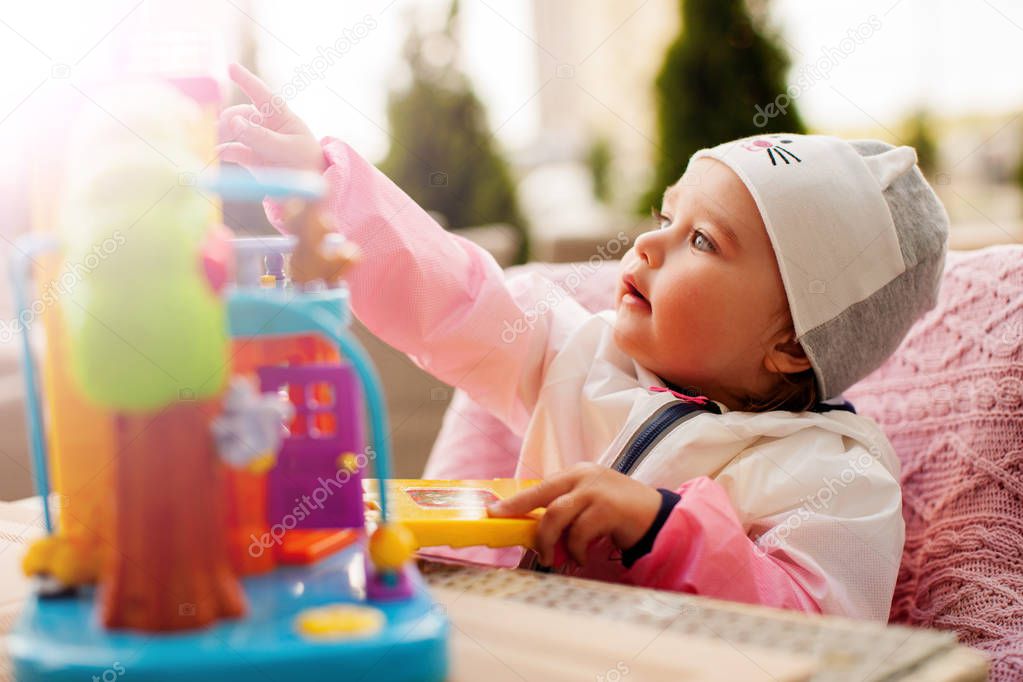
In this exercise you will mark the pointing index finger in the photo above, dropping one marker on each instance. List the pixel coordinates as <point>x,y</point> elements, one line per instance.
<point>538,496</point>
<point>251,85</point>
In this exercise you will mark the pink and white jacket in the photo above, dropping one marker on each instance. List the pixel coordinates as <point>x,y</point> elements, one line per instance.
<point>793,510</point>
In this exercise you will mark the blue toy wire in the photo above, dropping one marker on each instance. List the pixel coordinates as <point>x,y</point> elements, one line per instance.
<point>377,413</point>
<point>236,184</point>
<point>21,266</point>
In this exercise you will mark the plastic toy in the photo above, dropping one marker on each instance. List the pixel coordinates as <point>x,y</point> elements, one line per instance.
<point>453,513</point>
<point>200,416</point>
<point>199,536</point>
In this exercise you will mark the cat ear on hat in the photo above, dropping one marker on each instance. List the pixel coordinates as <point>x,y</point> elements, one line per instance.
<point>889,165</point>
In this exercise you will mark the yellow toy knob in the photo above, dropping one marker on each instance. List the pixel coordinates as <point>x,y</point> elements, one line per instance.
<point>73,564</point>
<point>262,464</point>
<point>391,546</point>
<point>39,556</point>
<point>68,562</point>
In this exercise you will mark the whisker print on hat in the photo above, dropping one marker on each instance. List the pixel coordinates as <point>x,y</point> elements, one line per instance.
<point>772,147</point>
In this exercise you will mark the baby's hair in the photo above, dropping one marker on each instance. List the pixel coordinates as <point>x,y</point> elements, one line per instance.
<point>796,392</point>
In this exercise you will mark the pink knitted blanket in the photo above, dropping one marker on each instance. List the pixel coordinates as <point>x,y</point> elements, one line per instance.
<point>951,401</point>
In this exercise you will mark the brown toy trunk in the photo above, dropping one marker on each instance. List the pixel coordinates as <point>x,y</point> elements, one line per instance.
<point>169,567</point>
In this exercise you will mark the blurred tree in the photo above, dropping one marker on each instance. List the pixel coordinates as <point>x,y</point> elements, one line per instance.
<point>1018,176</point>
<point>1019,171</point>
<point>920,134</point>
<point>442,152</point>
<point>719,74</point>
<point>598,159</point>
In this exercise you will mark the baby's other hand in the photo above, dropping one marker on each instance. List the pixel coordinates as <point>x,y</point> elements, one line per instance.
<point>265,133</point>
<point>585,502</point>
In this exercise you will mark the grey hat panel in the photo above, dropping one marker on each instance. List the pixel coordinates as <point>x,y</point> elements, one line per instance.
<point>919,216</point>
<point>855,343</point>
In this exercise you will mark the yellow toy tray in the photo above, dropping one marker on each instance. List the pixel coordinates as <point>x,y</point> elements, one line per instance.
<point>453,513</point>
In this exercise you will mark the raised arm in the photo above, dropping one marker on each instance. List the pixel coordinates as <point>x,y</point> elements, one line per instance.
<point>429,293</point>
<point>440,298</point>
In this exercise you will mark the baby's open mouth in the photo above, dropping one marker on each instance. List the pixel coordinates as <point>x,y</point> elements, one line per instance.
<point>633,296</point>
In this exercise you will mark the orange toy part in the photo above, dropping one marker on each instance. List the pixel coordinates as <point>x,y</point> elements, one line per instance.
<point>79,436</point>
<point>250,354</point>
<point>169,568</point>
<point>245,502</point>
<point>300,546</point>
<point>81,445</point>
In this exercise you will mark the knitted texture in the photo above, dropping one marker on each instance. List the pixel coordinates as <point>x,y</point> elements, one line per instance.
<point>950,400</point>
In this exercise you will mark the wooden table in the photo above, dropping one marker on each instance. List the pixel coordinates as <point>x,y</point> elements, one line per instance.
<point>525,626</point>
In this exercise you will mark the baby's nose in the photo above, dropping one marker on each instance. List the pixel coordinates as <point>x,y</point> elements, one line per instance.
<point>647,249</point>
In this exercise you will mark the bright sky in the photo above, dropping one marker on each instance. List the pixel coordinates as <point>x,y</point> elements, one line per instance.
<point>960,57</point>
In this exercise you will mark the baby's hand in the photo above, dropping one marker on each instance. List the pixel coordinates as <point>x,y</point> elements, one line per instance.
<point>266,132</point>
<point>589,500</point>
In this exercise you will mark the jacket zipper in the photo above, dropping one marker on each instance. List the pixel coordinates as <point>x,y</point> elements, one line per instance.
<point>650,433</point>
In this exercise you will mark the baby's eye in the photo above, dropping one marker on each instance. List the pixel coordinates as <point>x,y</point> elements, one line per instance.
<point>660,219</point>
<point>698,237</point>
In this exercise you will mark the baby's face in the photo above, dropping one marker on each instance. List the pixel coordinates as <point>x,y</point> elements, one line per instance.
<point>700,297</point>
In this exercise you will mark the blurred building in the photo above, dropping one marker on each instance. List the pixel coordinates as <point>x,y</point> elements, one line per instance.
<point>595,66</point>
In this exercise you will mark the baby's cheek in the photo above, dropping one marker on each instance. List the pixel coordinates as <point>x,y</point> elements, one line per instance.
<point>680,314</point>
<point>693,328</point>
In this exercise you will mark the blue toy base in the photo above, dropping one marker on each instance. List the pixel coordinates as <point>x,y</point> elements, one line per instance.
<point>60,638</point>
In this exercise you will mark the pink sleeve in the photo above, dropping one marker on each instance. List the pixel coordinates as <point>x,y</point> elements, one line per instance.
<point>703,549</point>
<point>440,298</point>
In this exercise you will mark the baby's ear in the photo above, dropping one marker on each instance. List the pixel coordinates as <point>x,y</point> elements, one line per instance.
<point>786,356</point>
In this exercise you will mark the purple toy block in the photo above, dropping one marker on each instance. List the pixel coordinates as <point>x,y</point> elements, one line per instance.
<point>314,484</point>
